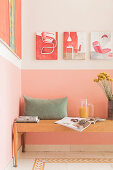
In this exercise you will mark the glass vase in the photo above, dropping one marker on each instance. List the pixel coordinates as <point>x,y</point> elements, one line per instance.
<point>110,110</point>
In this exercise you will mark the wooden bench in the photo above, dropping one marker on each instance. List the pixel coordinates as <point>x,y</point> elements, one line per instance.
<point>48,126</point>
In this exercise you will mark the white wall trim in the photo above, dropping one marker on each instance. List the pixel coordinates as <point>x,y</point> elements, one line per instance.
<point>4,43</point>
<point>67,65</point>
<point>9,54</point>
<point>71,148</point>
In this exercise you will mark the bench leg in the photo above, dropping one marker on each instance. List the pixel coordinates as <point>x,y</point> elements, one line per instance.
<point>15,144</point>
<point>23,142</point>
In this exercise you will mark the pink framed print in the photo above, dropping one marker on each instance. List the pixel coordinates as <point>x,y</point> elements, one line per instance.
<point>101,45</point>
<point>74,45</point>
<point>46,45</point>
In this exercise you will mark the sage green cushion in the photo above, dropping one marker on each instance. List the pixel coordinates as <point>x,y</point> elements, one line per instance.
<point>45,109</point>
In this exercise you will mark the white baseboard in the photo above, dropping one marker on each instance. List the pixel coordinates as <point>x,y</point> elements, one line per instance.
<point>78,148</point>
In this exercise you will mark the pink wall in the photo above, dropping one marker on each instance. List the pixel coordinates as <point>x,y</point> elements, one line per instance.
<point>4,20</point>
<point>9,107</point>
<point>4,24</point>
<point>75,84</point>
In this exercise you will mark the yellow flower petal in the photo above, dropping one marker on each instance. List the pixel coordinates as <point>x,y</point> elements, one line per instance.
<point>96,80</point>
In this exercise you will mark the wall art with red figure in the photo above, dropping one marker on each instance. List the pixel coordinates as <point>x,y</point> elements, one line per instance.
<point>101,45</point>
<point>46,45</point>
<point>74,45</point>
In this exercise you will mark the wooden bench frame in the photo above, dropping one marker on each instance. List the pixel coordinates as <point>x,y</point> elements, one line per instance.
<point>48,126</point>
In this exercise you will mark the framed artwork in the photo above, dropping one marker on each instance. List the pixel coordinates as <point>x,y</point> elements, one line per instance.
<point>101,45</point>
<point>74,45</point>
<point>46,45</point>
<point>12,24</point>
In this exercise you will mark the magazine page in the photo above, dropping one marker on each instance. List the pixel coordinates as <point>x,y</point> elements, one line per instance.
<point>78,124</point>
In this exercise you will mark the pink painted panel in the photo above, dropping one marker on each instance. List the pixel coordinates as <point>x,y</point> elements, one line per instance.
<point>4,20</point>
<point>70,138</point>
<point>75,84</point>
<point>9,107</point>
<point>4,23</point>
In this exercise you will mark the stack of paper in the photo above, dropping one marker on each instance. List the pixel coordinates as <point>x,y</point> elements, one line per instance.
<point>27,119</point>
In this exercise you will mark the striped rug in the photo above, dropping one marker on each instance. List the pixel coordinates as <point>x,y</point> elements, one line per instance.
<point>39,164</point>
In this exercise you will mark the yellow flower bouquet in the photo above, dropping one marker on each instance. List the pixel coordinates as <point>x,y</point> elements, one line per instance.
<point>105,82</point>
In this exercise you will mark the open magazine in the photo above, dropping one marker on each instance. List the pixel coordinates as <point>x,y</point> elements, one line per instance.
<point>76,123</point>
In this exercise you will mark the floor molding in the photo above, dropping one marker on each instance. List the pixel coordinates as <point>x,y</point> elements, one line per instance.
<point>78,148</point>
